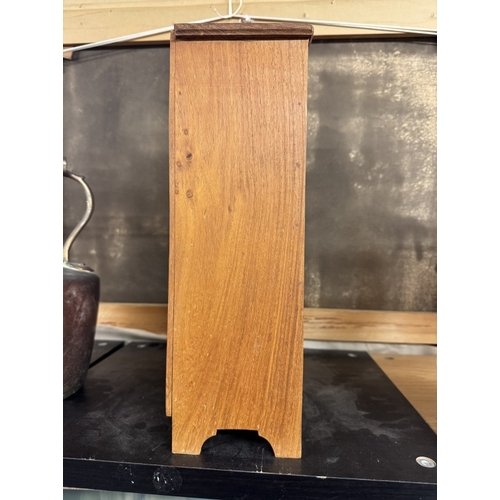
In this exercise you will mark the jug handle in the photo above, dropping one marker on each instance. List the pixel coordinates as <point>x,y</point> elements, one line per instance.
<point>88,212</point>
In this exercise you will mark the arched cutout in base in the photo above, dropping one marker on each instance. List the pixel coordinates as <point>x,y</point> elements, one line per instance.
<point>238,443</point>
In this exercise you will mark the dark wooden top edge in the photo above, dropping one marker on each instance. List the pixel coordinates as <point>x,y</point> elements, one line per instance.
<point>242,31</point>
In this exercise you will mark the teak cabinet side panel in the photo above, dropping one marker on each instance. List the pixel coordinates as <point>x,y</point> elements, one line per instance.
<point>237,175</point>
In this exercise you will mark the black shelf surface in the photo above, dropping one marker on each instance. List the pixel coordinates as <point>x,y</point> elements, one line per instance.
<point>360,436</point>
<point>104,348</point>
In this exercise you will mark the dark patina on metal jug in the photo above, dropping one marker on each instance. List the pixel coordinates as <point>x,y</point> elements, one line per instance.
<point>81,289</point>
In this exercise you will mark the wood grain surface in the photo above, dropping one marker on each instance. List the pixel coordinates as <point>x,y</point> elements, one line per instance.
<point>236,282</point>
<point>356,325</point>
<point>416,378</point>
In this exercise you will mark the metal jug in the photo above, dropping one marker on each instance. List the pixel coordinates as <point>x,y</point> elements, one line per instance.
<point>81,290</point>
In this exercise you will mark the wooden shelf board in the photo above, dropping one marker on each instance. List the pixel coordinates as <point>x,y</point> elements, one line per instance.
<point>416,378</point>
<point>319,324</point>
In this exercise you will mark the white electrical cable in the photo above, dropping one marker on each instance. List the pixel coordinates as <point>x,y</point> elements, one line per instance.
<point>124,38</point>
<point>247,18</point>
<point>135,36</point>
<point>158,31</point>
<point>378,27</point>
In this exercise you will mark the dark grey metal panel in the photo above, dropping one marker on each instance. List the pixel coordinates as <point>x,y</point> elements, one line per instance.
<point>371,174</point>
<point>116,134</point>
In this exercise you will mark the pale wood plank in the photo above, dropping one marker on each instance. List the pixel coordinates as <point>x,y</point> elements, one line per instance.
<point>319,324</point>
<point>416,378</point>
<point>370,326</point>
<point>90,21</point>
<point>149,317</point>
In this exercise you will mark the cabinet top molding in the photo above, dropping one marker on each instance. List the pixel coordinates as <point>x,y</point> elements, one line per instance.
<point>243,31</point>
